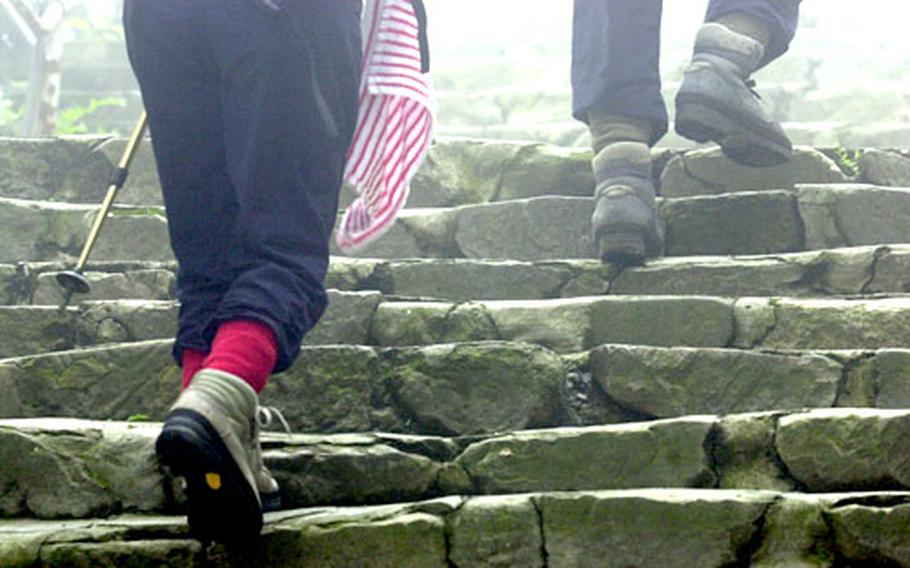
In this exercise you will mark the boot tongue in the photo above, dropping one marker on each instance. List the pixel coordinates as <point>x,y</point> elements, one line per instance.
<point>721,42</point>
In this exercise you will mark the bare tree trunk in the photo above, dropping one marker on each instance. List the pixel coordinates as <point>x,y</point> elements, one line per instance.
<point>43,97</point>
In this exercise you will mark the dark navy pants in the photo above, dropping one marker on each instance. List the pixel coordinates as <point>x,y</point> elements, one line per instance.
<point>251,112</point>
<point>616,49</point>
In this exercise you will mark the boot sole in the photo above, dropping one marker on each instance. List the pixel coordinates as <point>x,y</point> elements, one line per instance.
<point>622,245</point>
<point>221,506</point>
<point>701,123</point>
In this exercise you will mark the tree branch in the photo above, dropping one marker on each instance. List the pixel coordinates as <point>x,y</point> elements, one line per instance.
<point>27,15</point>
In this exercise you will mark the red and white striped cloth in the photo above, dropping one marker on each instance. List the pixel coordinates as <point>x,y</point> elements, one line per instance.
<point>395,124</point>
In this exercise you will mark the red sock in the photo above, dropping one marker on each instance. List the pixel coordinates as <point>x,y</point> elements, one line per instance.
<point>191,362</point>
<point>244,348</point>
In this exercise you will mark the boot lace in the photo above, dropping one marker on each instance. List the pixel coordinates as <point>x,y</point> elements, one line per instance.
<point>266,415</point>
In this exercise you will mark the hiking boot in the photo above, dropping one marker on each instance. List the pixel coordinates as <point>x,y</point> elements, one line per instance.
<point>624,226</point>
<point>211,439</point>
<point>716,101</point>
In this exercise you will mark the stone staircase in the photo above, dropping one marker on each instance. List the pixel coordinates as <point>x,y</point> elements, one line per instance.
<point>481,391</point>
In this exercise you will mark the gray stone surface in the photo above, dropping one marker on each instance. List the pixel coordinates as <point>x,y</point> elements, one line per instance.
<point>743,453</point>
<point>884,168</point>
<point>583,323</point>
<point>891,367</point>
<point>872,535</point>
<point>654,454</point>
<point>707,172</point>
<point>786,323</point>
<point>36,330</point>
<point>742,223</point>
<point>892,271</point>
<point>41,231</point>
<point>153,284</point>
<point>679,381</point>
<point>499,387</point>
<point>497,532</point>
<point>650,528</point>
<point>346,320</point>
<point>846,449</point>
<point>852,215</point>
<point>796,534</point>
<point>532,229</point>
<point>464,280</point>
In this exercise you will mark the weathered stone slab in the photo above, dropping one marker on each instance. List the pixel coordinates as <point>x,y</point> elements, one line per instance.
<point>583,323</point>
<point>61,468</point>
<point>499,386</point>
<point>423,323</point>
<point>846,449</point>
<point>786,323</point>
<point>796,534</point>
<point>531,229</point>
<point>708,172</point>
<point>542,169</point>
<point>890,369</point>
<point>650,528</point>
<point>38,231</point>
<point>137,285</point>
<point>655,454</point>
<point>872,535</point>
<point>126,320</point>
<point>497,532</point>
<point>465,280</point>
<point>36,330</point>
<point>74,169</point>
<point>346,320</point>
<point>679,381</point>
<point>416,233</point>
<point>892,271</point>
<point>852,215</point>
<point>741,223</point>
<point>884,168</point>
<point>828,272</point>
<point>743,453</point>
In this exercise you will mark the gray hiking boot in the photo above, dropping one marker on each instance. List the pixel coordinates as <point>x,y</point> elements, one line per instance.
<point>716,101</point>
<point>624,226</point>
<point>211,438</point>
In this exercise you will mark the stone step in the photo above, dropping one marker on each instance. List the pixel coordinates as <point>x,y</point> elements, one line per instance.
<point>457,172</point>
<point>657,527</point>
<point>447,389</point>
<point>63,468</point>
<point>834,272</point>
<point>43,328</point>
<point>565,325</point>
<point>813,217</point>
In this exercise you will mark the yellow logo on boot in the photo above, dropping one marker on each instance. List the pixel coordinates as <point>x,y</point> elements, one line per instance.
<point>213,480</point>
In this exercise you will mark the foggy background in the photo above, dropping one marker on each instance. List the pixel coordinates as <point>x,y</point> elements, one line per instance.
<point>501,69</point>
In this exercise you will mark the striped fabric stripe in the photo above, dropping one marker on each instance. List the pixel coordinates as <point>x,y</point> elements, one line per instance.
<point>394,127</point>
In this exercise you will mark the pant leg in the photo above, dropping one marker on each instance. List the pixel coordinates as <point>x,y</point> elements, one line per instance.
<point>180,86</point>
<point>289,93</point>
<point>781,15</point>
<point>251,118</point>
<point>615,60</point>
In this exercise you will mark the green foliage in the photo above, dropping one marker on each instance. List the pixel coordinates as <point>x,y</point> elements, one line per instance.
<point>848,160</point>
<point>139,418</point>
<point>71,120</point>
<point>10,114</point>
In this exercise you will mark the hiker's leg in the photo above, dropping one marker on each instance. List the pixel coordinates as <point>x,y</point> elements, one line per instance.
<point>180,85</point>
<point>290,82</point>
<point>616,91</point>
<point>771,22</point>
<point>615,61</point>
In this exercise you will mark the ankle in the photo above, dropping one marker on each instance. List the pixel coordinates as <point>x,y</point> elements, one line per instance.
<point>607,129</point>
<point>244,348</point>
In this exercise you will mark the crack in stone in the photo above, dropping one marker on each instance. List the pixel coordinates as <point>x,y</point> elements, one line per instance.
<point>544,553</point>
<point>756,540</point>
<point>878,254</point>
<point>778,460</point>
<point>717,187</point>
